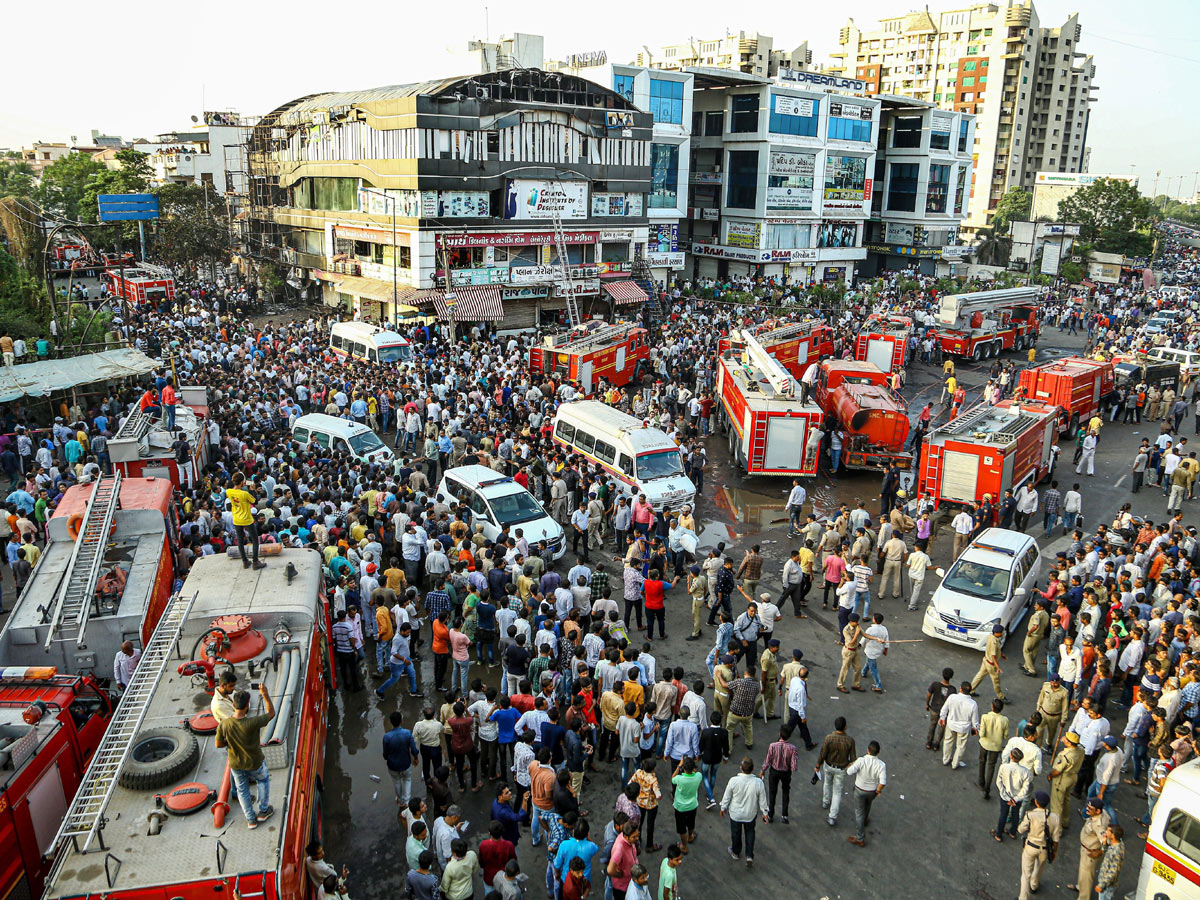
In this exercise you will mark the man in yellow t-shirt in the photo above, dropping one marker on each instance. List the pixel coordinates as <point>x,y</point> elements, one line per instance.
<point>241,503</point>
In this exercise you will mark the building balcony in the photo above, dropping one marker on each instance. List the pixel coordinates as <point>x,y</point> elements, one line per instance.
<point>1016,16</point>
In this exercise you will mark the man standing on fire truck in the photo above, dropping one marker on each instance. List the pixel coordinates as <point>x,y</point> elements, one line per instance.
<point>241,736</point>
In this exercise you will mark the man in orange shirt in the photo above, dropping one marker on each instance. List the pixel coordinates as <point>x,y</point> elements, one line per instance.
<point>168,402</point>
<point>441,649</point>
<point>542,778</point>
<point>386,627</point>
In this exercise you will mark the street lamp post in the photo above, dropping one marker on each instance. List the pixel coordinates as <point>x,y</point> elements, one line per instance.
<point>395,289</point>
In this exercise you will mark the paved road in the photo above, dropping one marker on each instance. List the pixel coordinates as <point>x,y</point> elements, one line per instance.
<point>929,832</point>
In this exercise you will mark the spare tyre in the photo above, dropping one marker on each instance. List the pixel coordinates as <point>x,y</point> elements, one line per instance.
<point>159,757</point>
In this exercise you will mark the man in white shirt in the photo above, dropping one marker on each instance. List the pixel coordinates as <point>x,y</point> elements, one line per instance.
<point>963,525</point>
<point>870,778</point>
<point>877,643</point>
<point>1027,504</point>
<point>960,719</point>
<point>1072,506</point>
<point>1013,782</point>
<point>1089,455</point>
<point>795,507</point>
<point>124,663</point>
<point>797,701</point>
<point>918,564</point>
<point>1031,754</point>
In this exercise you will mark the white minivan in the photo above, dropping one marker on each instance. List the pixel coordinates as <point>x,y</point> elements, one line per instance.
<point>991,582</point>
<point>345,435</point>
<point>641,459</point>
<point>1171,863</point>
<point>1189,360</point>
<point>497,501</point>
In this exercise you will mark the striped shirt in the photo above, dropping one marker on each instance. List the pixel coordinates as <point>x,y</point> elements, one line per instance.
<point>781,756</point>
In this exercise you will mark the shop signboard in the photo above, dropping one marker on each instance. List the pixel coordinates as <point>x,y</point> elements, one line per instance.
<point>535,198</point>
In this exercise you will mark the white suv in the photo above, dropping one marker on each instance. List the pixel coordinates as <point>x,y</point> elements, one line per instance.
<point>496,500</point>
<point>991,583</point>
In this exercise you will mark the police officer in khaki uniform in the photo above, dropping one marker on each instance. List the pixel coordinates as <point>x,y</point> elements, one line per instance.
<point>1035,632</point>
<point>790,670</point>
<point>1052,704</point>
<point>722,675</point>
<point>1064,772</point>
<point>1042,830</point>
<point>852,640</point>
<point>769,661</point>
<point>991,663</point>
<point>698,590</point>
<point>893,553</point>
<point>1091,849</point>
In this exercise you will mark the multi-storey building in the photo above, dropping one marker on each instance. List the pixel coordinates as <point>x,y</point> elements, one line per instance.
<point>923,170</point>
<point>444,195</point>
<point>1029,87</point>
<point>753,54</point>
<point>782,178</point>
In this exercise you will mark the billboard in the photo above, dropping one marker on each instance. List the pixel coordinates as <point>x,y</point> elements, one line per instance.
<point>845,182</point>
<point>790,180</point>
<point>837,234</point>
<point>850,111</point>
<point>743,234</point>
<point>530,198</point>
<point>793,106</point>
<point>604,205</point>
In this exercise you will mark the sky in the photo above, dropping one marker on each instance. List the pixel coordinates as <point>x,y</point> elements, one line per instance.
<point>136,69</point>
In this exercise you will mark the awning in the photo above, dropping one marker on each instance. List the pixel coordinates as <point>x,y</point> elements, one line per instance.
<point>41,378</point>
<point>625,292</point>
<point>476,303</point>
<point>371,288</point>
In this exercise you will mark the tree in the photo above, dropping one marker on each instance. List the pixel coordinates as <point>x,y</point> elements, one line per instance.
<point>1072,272</point>
<point>992,248</point>
<point>1112,215</point>
<point>1014,206</point>
<point>16,178</point>
<point>65,184</point>
<point>192,228</point>
<point>22,311</point>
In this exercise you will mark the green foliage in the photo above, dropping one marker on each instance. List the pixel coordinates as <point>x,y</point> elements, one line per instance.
<point>65,185</point>
<point>1188,213</point>
<point>1014,206</point>
<point>16,178</point>
<point>22,311</point>
<point>193,226</point>
<point>1112,215</point>
<point>993,248</point>
<point>88,325</point>
<point>1072,272</point>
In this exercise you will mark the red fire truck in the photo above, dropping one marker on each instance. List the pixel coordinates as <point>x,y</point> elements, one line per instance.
<point>987,450</point>
<point>1075,384</point>
<point>143,447</point>
<point>104,577</point>
<point>982,324</point>
<point>50,725</point>
<point>617,353</point>
<point>771,430</point>
<point>142,284</point>
<point>884,341</point>
<point>149,820</point>
<point>855,396</point>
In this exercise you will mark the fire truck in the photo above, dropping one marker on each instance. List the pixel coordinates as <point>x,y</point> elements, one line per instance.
<point>104,577</point>
<point>1075,384</point>
<point>982,324</point>
<point>987,450</point>
<point>50,726</point>
<point>617,353</point>
<point>855,396</point>
<point>154,816</point>
<point>771,430</point>
<point>142,284</point>
<point>795,344</point>
<point>884,341</point>
<point>143,447</point>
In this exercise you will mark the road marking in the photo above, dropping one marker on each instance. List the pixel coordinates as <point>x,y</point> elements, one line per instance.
<point>1121,480</point>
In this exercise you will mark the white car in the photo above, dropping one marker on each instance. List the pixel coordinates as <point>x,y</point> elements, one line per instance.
<point>496,500</point>
<point>991,583</point>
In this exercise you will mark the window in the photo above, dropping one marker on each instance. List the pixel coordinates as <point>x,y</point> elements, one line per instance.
<point>666,101</point>
<point>714,123</point>
<point>625,464</point>
<point>968,82</point>
<point>565,432</point>
<point>849,129</point>
<point>939,189</point>
<point>623,85</point>
<point>585,442</point>
<point>664,176</point>
<point>742,178</point>
<point>969,65</point>
<point>1182,835</point>
<point>606,453</point>
<point>744,114</point>
<point>327,193</point>
<point>907,131</point>
<point>792,115</point>
<point>939,140</point>
<point>902,187</point>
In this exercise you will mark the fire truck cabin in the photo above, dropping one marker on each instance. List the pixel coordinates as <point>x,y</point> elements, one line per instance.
<point>884,341</point>
<point>89,594</point>
<point>987,450</point>
<point>618,354</point>
<point>128,834</point>
<point>1075,384</point>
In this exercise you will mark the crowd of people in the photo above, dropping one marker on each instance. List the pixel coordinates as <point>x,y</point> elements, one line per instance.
<point>545,690</point>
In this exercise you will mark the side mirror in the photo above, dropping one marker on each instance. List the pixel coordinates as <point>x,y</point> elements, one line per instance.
<point>941,573</point>
<point>1019,592</point>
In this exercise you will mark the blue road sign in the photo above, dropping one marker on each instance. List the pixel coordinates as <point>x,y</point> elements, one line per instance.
<point>127,207</point>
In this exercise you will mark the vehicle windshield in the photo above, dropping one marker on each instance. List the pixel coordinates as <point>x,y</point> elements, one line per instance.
<point>394,353</point>
<point>367,442</point>
<point>514,508</point>
<point>662,464</point>
<point>978,580</point>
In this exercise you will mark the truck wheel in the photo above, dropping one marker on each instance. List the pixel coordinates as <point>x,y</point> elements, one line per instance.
<point>159,757</point>
<point>977,353</point>
<point>1074,426</point>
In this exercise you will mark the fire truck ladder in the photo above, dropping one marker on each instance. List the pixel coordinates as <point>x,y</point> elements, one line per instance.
<point>601,337</point>
<point>784,332</point>
<point>564,266</point>
<point>73,604</point>
<point>776,375</point>
<point>136,426</point>
<point>85,817</point>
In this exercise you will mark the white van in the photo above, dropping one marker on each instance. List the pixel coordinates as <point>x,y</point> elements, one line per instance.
<point>990,583</point>
<point>1171,863</point>
<point>1189,360</point>
<point>371,343</point>
<point>497,501</point>
<point>342,435</point>
<point>641,459</point>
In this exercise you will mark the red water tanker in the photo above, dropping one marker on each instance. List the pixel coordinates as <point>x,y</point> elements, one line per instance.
<point>856,396</point>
